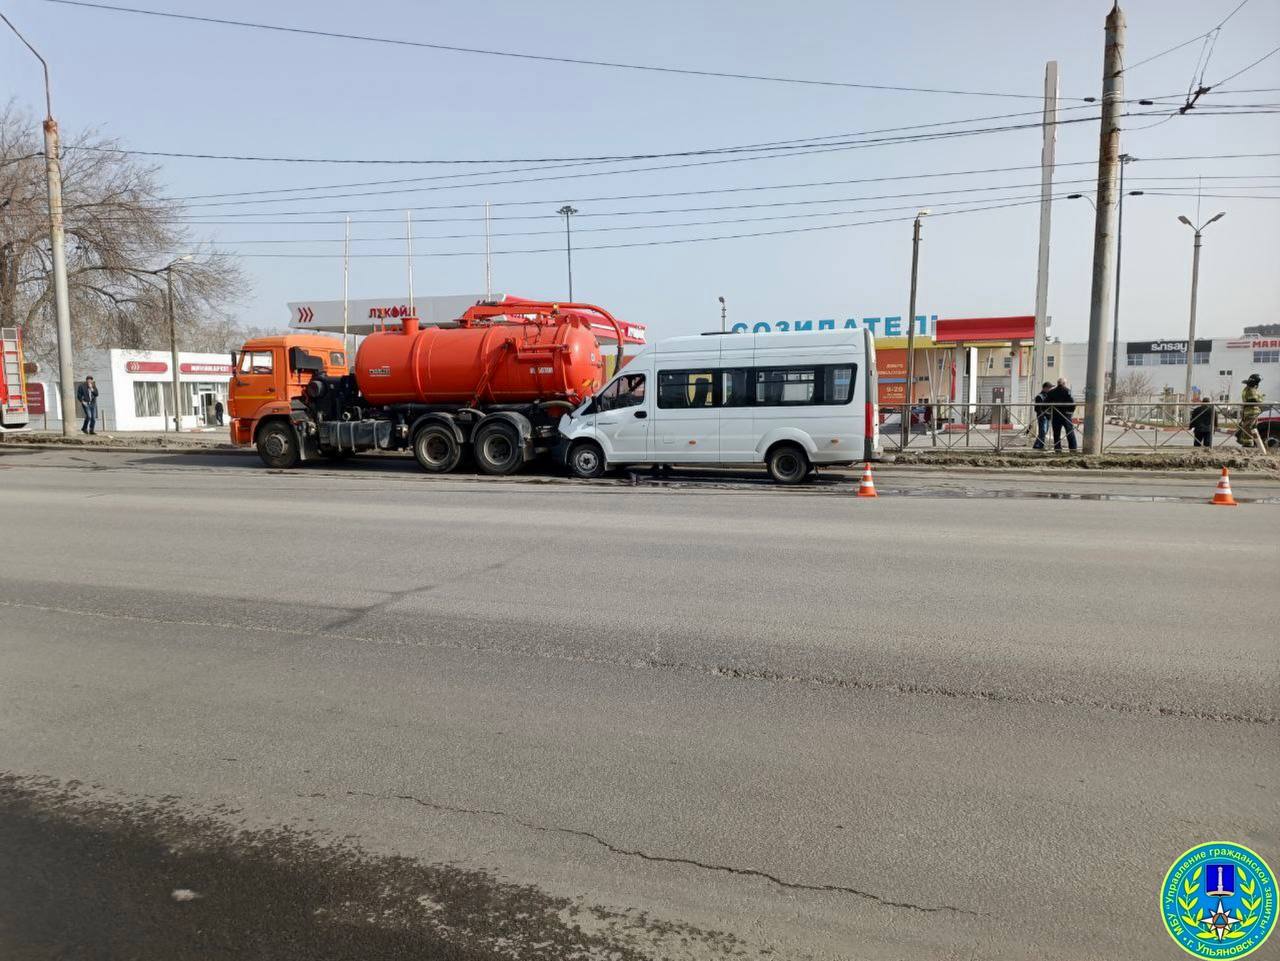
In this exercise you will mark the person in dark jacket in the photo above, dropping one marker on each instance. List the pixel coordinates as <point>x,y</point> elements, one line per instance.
<point>217,412</point>
<point>1043,412</point>
<point>1064,407</point>
<point>1203,422</point>
<point>87,395</point>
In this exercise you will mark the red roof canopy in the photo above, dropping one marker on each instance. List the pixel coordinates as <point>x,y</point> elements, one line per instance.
<point>972,329</point>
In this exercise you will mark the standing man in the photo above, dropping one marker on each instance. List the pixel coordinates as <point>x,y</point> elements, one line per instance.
<point>1250,407</point>
<point>87,395</point>
<point>1042,412</point>
<point>1203,422</point>
<point>217,412</point>
<point>1064,408</point>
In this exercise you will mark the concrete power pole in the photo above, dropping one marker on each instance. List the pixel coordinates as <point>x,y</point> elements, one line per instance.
<point>1104,231</point>
<point>1047,150</point>
<point>61,301</point>
<point>911,332</point>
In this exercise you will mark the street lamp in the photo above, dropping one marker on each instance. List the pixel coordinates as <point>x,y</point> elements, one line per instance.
<point>911,328</point>
<point>1195,284</point>
<point>62,308</point>
<point>724,315</point>
<point>1115,317</point>
<point>566,212</point>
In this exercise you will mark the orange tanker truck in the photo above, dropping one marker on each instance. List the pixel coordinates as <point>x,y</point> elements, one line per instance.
<point>493,384</point>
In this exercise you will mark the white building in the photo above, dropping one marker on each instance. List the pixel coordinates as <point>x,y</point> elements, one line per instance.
<point>1218,366</point>
<point>135,389</point>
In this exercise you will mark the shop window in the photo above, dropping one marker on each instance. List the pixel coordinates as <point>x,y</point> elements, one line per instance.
<point>1008,363</point>
<point>1049,360</point>
<point>146,399</point>
<point>1266,356</point>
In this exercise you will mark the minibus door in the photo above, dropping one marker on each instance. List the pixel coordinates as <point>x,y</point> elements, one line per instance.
<point>622,421</point>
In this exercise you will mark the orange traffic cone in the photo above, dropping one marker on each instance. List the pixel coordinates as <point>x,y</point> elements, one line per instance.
<point>868,486</point>
<point>1223,494</point>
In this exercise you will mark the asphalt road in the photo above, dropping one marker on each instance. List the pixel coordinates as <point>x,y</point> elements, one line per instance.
<point>361,713</point>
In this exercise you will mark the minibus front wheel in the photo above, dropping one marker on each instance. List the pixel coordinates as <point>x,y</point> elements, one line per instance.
<point>787,463</point>
<point>586,460</point>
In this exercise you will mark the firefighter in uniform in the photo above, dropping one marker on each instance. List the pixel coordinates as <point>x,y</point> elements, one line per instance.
<point>1250,408</point>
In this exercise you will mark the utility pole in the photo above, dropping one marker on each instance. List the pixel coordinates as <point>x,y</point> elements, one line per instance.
<point>911,330</point>
<point>1049,139</point>
<point>1104,233</point>
<point>1125,160</point>
<point>61,300</point>
<point>724,317</point>
<point>566,212</point>
<point>1195,287</point>
<point>488,257</point>
<point>408,237</point>
<point>173,350</point>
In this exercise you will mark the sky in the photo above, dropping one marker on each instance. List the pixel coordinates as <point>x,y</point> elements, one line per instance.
<point>173,86</point>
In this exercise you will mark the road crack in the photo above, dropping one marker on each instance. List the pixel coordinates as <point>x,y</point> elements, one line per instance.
<point>664,858</point>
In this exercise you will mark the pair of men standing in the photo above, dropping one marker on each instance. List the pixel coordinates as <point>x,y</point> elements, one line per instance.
<point>1056,406</point>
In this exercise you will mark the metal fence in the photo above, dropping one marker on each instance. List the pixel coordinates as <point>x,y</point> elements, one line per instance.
<point>1150,426</point>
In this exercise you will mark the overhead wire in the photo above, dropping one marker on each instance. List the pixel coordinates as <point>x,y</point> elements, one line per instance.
<point>541,57</point>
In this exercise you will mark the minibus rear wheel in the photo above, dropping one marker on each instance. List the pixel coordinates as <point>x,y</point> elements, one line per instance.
<point>788,463</point>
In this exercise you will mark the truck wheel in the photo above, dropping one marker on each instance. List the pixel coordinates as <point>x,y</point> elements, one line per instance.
<point>436,449</point>
<point>278,445</point>
<point>788,464</point>
<point>586,460</point>
<point>496,447</point>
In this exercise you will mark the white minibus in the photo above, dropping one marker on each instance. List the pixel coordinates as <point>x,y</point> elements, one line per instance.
<point>790,401</point>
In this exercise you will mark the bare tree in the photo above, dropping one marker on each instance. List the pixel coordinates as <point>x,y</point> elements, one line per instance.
<point>120,229</point>
<point>1134,386</point>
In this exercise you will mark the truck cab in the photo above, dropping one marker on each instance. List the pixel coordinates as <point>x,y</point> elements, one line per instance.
<point>270,374</point>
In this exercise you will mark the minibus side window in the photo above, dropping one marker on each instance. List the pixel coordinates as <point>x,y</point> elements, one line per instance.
<point>784,386</point>
<point>681,389</point>
<point>735,388</point>
<point>838,385</point>
<point>626,391</point>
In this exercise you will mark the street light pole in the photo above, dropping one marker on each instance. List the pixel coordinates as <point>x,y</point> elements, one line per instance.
<point>911,330</point>
<point>61,300</point>
<point>1195,286</point>
<point>724,317</point>
<point>566,212</point>
<point>1125,159</point>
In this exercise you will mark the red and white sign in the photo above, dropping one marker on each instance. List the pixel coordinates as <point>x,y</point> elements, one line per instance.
<point>220,370</point>
<point>35,397</point>
<point>1262,343</point>
<point>146,367</point>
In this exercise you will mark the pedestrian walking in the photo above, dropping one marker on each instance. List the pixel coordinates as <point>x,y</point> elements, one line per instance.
<point>1063,407</point>
<point>1250,407</point>
<point>87,395</point>
<point>1040,405</point>
<point>217,412</point>
<point>1203,422</point>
